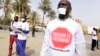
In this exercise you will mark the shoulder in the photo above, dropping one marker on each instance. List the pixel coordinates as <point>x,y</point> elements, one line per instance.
<point>52,22</point>
<point>75,23</point>
<point>26,23</point>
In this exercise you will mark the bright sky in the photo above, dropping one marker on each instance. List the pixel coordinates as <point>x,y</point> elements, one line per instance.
<point>86,10</point>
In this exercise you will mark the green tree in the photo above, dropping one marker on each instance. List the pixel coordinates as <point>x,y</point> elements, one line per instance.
<point>34,17</point>
<point>78,21</point>
<point>45,7</point>
<point>21,7</point>
<point>6,21</point>
<point>51,15</point>
<point>1,21</point>
<point>6,6</point>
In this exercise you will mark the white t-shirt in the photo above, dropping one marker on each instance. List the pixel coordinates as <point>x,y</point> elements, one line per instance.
<point>23,26</point>
<point>94,35</point>
<point>63,38</point>
<point>16,25</point>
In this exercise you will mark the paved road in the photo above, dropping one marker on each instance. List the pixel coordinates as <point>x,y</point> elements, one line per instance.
<point>34,44</point>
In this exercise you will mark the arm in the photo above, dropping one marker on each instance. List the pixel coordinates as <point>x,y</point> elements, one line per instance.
<point>11,26</point>
<point>10,29</point>
<point>80,42</point>
<point>26,30</point>
<point>45,43</point>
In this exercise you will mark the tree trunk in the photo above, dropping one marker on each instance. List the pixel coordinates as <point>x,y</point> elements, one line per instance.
<point>43,20</point>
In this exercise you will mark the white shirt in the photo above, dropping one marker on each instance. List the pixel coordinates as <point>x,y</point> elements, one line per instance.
<point>23,26</point>
<point>94,35</point>
<point>16,25</point>
<point>63,38</point>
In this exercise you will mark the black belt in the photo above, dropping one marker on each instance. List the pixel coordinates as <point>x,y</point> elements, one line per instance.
<point>60,50</point>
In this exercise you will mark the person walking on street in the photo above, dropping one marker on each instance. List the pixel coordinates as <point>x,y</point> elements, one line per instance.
<point>94,39</point>
<point>33,31</point>
<point>23,30</point>
<point>13,34</point>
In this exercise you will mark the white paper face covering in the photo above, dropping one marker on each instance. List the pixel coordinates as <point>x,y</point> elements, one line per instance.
<point>22,19</point>
<point>62,11</point>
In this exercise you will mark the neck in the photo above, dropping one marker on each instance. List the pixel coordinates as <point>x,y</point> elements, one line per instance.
<point>63,17</point>
<point>15,21</point>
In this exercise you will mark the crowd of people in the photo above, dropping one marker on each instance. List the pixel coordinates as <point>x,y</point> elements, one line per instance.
<point>63,36</point>
<point>18,33</point>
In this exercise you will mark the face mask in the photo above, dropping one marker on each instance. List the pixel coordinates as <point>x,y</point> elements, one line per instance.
<point>62,11</point>
<point>22,19</point>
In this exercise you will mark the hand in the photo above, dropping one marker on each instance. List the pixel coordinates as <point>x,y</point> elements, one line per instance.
<point>20,29</point>
<point>16,32</point>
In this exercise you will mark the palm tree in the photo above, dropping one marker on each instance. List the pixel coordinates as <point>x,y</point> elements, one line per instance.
<point>51,15</point>
<point>21,7</point>
<point>45,7</point>
<point>78,21</point>
<point>16,7</point>
<point>6,6</point>
<point>33,18</point>
<point>0,3</point>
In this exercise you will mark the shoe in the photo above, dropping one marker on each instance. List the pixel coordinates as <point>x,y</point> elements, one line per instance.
<point>17,54</point>
<point>98,48</point>
<point>9,55</point>
<point>92,50</point>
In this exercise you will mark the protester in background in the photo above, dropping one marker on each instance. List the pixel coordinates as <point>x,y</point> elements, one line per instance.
<point>22,36</point>
<point>33,31</point>
<point>13,34</point>
<point>94,39</point>
<point>63,36</point>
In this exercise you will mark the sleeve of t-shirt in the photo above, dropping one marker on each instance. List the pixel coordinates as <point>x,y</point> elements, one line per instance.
<point>45,43</point>
<point>11,24</point>
<point>27,27</point>
<point>26,30</point>
<point>80,46</point>
<point>79,36</point>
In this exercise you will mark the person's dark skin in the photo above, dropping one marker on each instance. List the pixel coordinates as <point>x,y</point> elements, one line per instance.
<point>15,20</point>
<point>65,4</point>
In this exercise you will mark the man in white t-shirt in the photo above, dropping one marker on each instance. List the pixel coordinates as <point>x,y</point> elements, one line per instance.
<point>63,36</point>
<point>13,34</point>
<point>94,39</point>
<point>22,37</point>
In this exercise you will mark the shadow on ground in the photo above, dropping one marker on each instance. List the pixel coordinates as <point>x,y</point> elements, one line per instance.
<point>29,52</point>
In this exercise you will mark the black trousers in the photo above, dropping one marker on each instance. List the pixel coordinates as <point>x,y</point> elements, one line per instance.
<point>94,43</point>
<point>97,44</point>
<point>33,33</point>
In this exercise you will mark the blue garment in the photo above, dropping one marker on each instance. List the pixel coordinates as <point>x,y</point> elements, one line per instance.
<point>26,32</point>
<point>20,47</point>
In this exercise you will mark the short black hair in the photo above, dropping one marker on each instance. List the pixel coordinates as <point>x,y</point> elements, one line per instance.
<point>94,29</point>
<point>16,17</point>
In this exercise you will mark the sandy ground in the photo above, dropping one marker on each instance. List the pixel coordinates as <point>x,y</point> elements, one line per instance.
<point>34,45</point>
